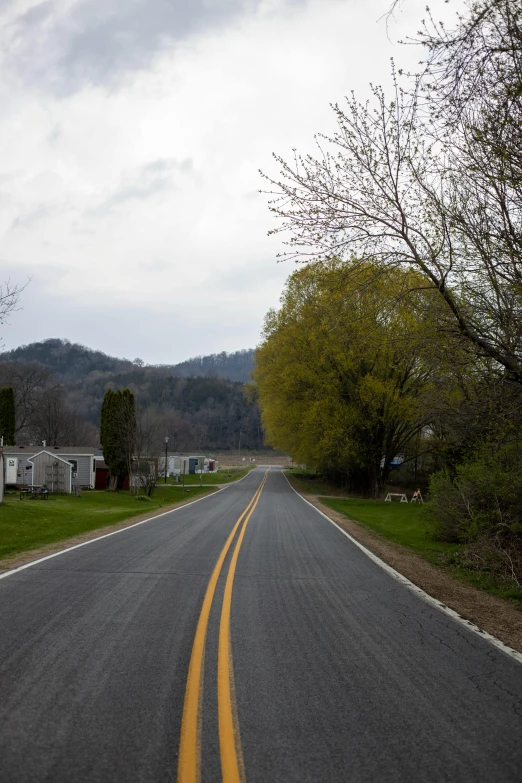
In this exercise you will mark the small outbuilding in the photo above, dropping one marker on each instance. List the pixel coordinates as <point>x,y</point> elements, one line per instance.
<point>102,476</point>
<point>52,471</point>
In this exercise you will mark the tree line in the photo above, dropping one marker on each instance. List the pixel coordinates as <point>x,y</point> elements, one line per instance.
<point>196,413</point>
<point>400,339</point>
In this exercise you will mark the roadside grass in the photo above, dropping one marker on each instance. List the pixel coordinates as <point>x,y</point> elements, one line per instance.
<point>210,479</point>
<point>398,522</point>
<point>30,524</point>
<point>403,523</point>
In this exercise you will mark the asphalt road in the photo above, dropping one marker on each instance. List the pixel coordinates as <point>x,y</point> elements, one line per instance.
<point>161,654</point>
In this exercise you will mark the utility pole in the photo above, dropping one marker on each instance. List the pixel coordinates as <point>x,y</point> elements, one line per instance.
<point>166,458</point>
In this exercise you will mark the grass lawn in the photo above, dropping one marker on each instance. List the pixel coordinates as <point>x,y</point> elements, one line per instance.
<point>398,522</point>
<point>29,524</point>
<point>221,477</point>
<point>403,524</point>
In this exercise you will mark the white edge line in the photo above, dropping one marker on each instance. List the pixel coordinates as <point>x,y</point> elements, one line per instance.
<point>115,532</point>
<point>416,589</point>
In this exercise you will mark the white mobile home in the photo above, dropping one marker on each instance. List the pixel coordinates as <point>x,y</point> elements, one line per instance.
<point>174,465</point>
<point>20,469</point>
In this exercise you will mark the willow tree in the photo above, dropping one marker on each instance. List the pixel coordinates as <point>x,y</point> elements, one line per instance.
<point>343,375</point>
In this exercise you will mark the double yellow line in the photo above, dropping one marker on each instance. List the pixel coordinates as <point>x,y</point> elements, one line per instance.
<point>189,763</point>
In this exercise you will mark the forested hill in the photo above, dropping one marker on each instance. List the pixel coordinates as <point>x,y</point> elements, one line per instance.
<point>70,362</point>
<point>235,366</point>
<point>200,403</point>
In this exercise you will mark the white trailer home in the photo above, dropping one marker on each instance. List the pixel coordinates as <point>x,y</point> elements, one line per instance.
<point>20,469</point>
<point>174,465</point>
<point>177,465</point>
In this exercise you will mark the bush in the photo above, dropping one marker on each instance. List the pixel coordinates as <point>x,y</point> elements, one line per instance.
<point>481,507</point>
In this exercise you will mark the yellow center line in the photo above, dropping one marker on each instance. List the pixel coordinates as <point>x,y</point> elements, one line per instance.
<point>189,762</point>
<point>232,766</point>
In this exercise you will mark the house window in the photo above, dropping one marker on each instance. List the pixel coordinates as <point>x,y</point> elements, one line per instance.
<point>74,463</point>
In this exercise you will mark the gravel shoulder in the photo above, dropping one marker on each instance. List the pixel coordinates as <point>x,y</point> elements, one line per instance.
<point>492,614</point>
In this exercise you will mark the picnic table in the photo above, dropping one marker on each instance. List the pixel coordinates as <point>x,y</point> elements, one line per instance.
<point>34,492</point>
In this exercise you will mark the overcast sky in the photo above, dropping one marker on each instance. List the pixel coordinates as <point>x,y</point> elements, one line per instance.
<point>131,134</point>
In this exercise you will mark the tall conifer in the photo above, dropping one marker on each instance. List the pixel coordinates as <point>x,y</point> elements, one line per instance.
<point>7,415</point>
<point>117,433</point>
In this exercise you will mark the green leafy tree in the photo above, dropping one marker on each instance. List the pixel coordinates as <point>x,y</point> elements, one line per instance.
<point>7,415</point>
<point>342,376</point>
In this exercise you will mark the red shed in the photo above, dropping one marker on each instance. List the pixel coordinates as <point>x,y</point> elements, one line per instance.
<point>102,476</point>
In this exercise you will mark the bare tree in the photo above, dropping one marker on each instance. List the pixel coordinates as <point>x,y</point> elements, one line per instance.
<point>9,297</point>
<point>33,384</point>
<point>164,421</point>
<point>428,181</point>
<point>54,422</point>
<point>144,449</point>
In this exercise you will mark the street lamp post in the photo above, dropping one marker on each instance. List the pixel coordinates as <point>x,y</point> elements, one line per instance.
<point>166,458</point>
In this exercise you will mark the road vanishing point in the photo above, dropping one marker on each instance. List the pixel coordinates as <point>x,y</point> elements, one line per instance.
<point>241,638</point>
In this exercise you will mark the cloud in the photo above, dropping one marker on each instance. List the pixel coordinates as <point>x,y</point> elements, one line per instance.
<point>150,180</point>
<point>135,207</point>
<point>66,44</point>
<point>166,164</point>
<point>131,193</point>
<point>31,217</point>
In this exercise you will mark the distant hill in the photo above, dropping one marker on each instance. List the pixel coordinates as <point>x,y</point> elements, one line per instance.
<point>70,362</point>
<point>67,361</point>
<point>199,403</point>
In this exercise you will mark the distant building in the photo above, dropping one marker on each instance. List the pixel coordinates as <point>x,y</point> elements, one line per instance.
<point>177,465</point>
<point>196,464</point>
<point>174,465</point>
<point>143,471</point>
